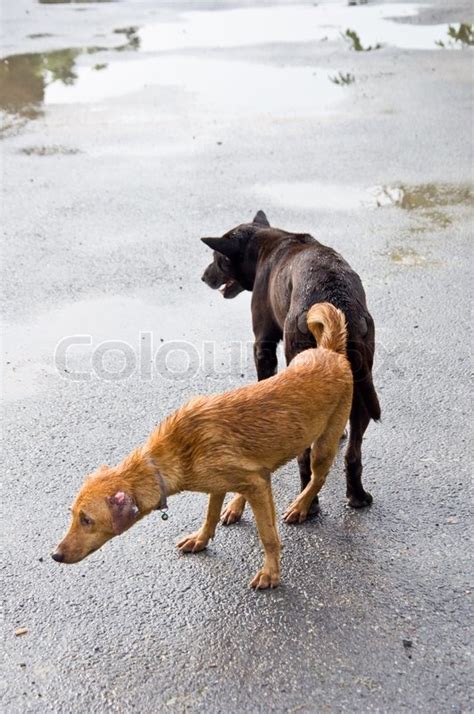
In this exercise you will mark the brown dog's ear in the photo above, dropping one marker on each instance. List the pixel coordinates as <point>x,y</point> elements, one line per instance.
<point>261,220</point>
<point>123,510</point>
<point>225,246</point>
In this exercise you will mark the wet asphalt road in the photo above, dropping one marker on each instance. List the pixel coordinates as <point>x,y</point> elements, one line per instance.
<point>108,186</point>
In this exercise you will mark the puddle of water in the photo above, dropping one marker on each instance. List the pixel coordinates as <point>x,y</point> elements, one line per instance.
<point>213,83</point>
<point>29,348</point>
<point>142,328</point>
<point>373,24</point>
<point>24,79</point>
<point>336,197</point>
<point>312,195</point>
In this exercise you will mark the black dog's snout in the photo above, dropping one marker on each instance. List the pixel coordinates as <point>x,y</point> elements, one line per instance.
<point>58,557</point>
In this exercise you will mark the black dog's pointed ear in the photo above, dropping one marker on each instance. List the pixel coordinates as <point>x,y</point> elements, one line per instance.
<point>261,219</point>
<point>225,246</point>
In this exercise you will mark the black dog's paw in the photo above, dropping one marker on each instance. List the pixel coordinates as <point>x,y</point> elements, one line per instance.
<point>361,500</point>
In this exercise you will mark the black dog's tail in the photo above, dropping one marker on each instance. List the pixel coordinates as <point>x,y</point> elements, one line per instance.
<point>360,356</point>
<point>370,398</point>
<point>328,327</point>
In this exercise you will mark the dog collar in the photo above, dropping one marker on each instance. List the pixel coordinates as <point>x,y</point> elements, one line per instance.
<point>163,503</point>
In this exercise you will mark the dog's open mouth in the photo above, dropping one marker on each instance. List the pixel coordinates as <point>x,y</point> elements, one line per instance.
<point>225,287</point>
<point>230,288</point>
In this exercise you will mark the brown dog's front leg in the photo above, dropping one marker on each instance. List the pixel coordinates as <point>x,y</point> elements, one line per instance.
<point>232,513</point>
<point>197,541</point>
<point>261,502</point>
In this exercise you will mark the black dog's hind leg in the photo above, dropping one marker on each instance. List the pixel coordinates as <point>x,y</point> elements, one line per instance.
<point>359,421</point>
<point>304,464</point>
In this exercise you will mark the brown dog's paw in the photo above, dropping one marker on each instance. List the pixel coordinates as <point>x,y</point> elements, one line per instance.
<point>192,543</point>
<point>264,580</point>
<point>297,512</point>
<point>232,513</point>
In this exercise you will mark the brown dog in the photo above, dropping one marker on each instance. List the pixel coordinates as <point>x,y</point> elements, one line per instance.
<point>229,442</point>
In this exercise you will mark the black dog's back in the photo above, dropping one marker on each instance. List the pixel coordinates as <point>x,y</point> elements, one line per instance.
<point>320,274</point>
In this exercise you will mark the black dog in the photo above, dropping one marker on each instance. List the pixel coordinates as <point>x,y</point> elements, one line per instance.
<point>289,272</point>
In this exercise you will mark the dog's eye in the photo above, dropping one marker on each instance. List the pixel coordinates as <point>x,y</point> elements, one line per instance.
<point>85,520</point>
<point>224,262</point>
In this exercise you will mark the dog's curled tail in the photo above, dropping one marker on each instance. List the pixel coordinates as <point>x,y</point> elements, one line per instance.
<point>328,326</point>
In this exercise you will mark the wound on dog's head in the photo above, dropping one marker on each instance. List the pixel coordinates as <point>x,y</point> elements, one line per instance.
<point>123,510</point>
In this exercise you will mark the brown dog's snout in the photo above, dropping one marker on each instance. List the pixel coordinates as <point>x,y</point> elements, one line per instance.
<point>58,556</point>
